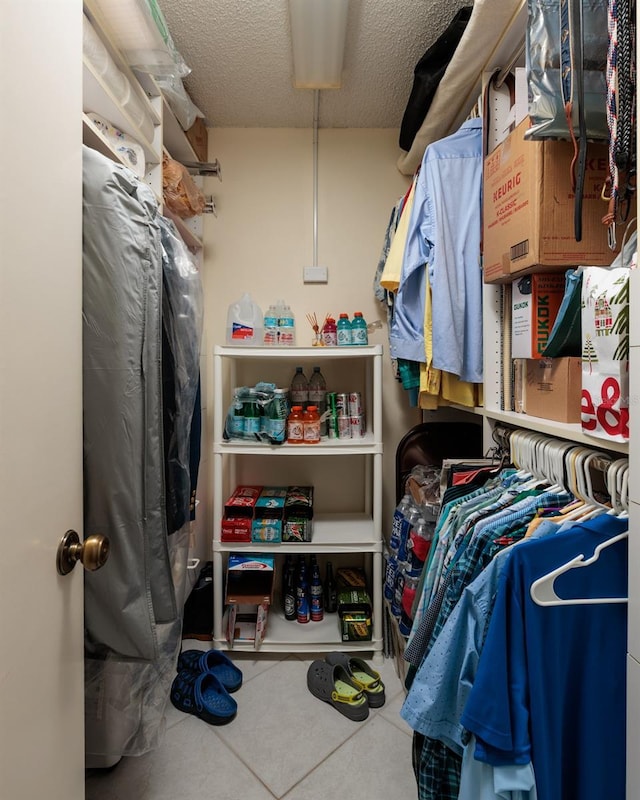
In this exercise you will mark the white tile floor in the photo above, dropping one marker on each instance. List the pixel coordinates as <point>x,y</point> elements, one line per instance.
<point>284,744</point>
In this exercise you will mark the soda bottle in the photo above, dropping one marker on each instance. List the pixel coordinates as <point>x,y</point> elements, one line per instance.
<point>299,392</point>
<point>315,591</point>
<point>251,426</point>
<point>344,330</point>
<point>271,327</point>
<point>285,569</point>
<point>295,426</point>
<point>237,416</point>
<point>330,591</point>
<point>277,413</point>
<point>318,397</point>
<point>359,333</point>
<point>330,332</point>
<point>289,591</point>
<point>311,420</point>
<point>302,593</point>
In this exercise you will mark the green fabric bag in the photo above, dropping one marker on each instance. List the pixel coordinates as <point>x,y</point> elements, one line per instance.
<point>565,338</point>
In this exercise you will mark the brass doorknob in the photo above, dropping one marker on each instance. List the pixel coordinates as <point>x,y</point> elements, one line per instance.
<point>92,553</point>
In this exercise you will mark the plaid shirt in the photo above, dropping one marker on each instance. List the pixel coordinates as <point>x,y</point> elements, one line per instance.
<point>481,548</point>
<point>437,769</point>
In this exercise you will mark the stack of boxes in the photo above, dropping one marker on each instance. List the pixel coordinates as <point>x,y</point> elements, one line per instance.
<point>268,514</point>
<point>529,242</point>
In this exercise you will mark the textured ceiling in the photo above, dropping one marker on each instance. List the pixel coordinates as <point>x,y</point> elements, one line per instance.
<point>240,55</point>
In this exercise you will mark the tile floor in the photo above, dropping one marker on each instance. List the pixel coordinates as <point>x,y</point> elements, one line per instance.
<point>284,744</point>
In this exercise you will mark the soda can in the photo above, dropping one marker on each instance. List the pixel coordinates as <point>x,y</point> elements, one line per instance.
<point>355,404</point>
<point>344,427</point>
<point>331,402</point>
<point>332,425</point>
<point>342,404</point>
<point>356,422</point>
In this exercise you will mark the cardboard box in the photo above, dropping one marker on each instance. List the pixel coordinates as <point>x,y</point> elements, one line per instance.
<point>535,300</point>
<point>354,615</point>
<point>298,514</point>
<point>242,501</point>
<point>235,529</point>
<point>249,593</point>
<point>554,387</point>
<point>528,208</point>
<point>238,514</point>
<point>268,515</point>
<point>199,139</point>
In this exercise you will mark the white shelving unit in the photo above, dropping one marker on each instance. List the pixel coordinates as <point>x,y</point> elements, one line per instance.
<point>358,532</point>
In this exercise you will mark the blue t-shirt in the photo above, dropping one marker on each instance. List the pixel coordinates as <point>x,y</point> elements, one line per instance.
<point>550,685</point>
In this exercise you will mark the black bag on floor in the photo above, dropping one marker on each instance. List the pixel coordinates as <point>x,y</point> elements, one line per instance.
<point>198,610</point>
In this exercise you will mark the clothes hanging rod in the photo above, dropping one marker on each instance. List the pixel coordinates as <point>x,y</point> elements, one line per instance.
<point>203,168</point>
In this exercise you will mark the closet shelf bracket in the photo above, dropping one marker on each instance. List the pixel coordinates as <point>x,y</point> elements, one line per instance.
<point>206,168</point>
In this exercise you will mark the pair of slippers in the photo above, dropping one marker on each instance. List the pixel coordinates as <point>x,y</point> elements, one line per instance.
<point>204,684</point>
<point>349,684</point>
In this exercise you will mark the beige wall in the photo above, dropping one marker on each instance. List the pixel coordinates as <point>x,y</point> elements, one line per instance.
<point>263,236</point>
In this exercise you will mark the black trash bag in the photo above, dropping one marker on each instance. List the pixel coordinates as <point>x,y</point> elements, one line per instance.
<point>428,74</point>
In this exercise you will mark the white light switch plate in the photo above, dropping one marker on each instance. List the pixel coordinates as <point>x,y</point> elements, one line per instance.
<point>315,274</point>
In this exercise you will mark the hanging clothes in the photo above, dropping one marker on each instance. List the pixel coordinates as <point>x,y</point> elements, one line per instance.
<point>442,685</point>
<point>474,534</point>
<point>182,313</point>
<point>132,619</point>
<point>550,686</point>
<point>444,237</point>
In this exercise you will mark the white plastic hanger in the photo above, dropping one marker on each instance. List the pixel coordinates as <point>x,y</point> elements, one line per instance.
<point>543,592</point>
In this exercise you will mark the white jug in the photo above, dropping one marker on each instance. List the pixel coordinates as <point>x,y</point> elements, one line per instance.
<point>245,322</point>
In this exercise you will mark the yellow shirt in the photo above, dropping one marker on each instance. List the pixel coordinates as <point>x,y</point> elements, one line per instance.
<point>390,278</point>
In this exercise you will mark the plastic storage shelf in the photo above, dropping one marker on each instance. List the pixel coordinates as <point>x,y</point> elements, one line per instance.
<point>357,532</point>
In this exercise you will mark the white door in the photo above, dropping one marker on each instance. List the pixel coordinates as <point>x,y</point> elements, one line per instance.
<point>41,665</point>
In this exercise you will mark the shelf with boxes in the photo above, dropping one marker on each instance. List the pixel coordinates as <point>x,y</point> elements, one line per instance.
<point>346,520</point>
<point>263,610</point>
<point>529,247</point>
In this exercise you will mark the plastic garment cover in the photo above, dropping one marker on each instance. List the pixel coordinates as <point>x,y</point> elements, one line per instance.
<point>182,314</point>
<point>544,70</point>
<point>427,75</point>
<point>132,625</point>
<point>448,108</point>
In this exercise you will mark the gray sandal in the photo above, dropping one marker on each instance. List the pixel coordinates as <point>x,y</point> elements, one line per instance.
<point>362,675</point>
<point>332,684</point>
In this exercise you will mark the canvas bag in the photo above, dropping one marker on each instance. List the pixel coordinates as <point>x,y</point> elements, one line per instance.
<point>605,353</point>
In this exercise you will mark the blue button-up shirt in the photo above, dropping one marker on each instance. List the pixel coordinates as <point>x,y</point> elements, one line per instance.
<point>444,234</point>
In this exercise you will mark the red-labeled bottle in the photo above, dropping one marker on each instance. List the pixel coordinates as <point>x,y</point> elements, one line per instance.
<point>295,426</point>
<point>330,332</point>
<point>311,420</point>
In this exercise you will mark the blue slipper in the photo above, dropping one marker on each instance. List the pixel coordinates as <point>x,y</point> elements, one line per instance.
<point>203,696</point>
<point>214,661</point>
